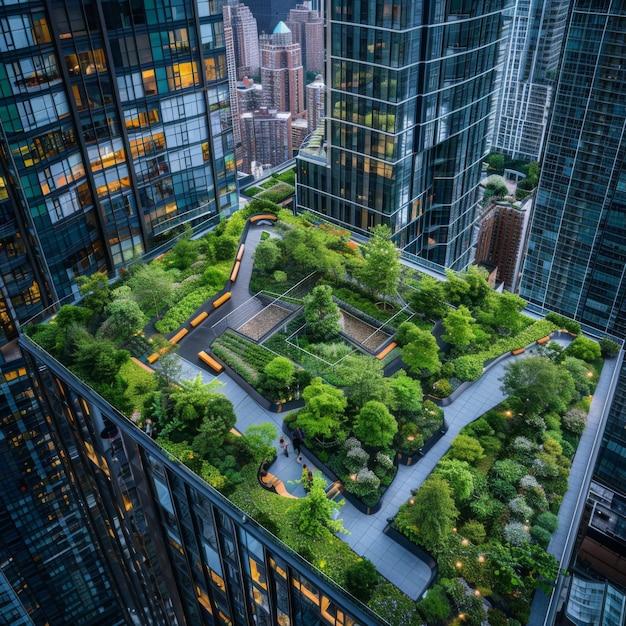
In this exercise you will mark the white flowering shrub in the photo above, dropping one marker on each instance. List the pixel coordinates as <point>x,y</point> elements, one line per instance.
<point>356,458</point>
<point>384,460</point>
<point>519,509</point>
<point>516,534</point>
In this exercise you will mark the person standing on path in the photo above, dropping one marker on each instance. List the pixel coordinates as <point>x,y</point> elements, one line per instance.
<point>284,446</point>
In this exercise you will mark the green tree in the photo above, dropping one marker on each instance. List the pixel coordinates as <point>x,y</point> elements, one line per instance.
<point>323,410</point>
<point>321,313</point>
<point>381,271</point>
<point>219,418</point>
<point>363,378</point>
<point>98,361</point>
<point>584,349</point>
<point>259,440</point>
<point>278,377</point>
<point>316,512</point>
<point>421,354</point>
<point>456,289</point>
<point>405,393</point>
<point>224,248</point>
<point>183,254</point>
<point>361,579</point>
<point>429,298</point>
<point>503,312</point>
<point>538,383</point>
<point>496,163</point>
<point>375,425</point>
<point>466,448</point>
<point>152,288</point>
<point>95,291</point>
<point>434,513</point>
<point>609,348</point>
<point>459,476</point>
<point>458,326</point>
<point>584,378</point>
<point>266,255</point>
<point>124,319</point>
<point>435,607</point>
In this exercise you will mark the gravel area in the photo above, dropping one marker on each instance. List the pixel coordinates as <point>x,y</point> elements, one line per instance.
<point>362,333</point>
<point>257,326</point>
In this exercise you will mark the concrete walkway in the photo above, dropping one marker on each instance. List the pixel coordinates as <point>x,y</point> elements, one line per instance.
<point>366,536</point>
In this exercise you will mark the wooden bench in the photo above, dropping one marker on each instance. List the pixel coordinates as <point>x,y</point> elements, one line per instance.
<point>543,340</point>
<point>210,361</point>
<point>385,351</point>
<point>240,252</point>
<point>276,484</point>
<point>155,355</point>
<point>223,298</point>
<point>268,216</point>
<point>518,351</point>
<point>233,274</point>
<point>200,318</point>
<point>142,364</point>
<point>179,335</point>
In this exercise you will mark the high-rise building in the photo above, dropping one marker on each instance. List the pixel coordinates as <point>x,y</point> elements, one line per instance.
<point>315,102</point>
<point>410,89</point>
<point>269,12</point>
<point>528,77</point>
<point>245,38</point>
<point>266,138</point>
<point>307,28</point>
<point>116,136</point>
<point>576,261</point>
<point>282,73</point>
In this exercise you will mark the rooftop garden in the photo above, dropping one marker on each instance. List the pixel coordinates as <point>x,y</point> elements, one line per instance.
<point>371,349</point>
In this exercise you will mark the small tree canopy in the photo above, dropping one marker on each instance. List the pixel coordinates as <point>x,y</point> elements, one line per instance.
<point>381,270</point>
<point>316,512</point>
<point>375,426</point>
<point>321,313</point>
<point>323,410</point>
<point>421,354</point>
<point>458,326</point>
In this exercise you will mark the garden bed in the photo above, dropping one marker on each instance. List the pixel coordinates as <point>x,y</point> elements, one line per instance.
<point>264,321</point>
<point>362,333</point>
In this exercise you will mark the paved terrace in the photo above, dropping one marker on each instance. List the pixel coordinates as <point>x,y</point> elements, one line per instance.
<point>366,535</point>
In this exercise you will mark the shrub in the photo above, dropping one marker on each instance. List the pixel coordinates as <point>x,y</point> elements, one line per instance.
<point>519,509</point>
<point>435,607</point>
<point>575,421</point>
<point>356,458</point>
<point>609,348</point>
<point>384,460</point>
<point>442,388</point>
<point>466,448</point>
<point>564,322</point>
<point>398,609</point>
<point>361,579</point>
<point>468,367</point>
<point>516,534</point>
<point>474,531</point>
<point>584,349</point>
<point>541,536</point>
<point>547,520</point>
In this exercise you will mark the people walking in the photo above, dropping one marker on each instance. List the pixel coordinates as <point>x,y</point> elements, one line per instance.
<point>284,445</point>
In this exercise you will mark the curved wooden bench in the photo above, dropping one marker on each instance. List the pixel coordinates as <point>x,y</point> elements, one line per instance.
<point>179,335</point>
<point>269,216</point>
<point>518,351</point>
<point>223,298</point>
<point>210,361</point>
<point>385,351</point>
<point>543,340</point>
<point>239,256</point>
<point>233,274</point>
<point>276,484</point>
<point>196,320</point>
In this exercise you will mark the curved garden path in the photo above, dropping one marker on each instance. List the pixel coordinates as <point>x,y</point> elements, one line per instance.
<point>366,532</point>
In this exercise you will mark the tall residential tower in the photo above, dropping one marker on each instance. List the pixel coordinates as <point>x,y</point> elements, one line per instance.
<point>410,90</point>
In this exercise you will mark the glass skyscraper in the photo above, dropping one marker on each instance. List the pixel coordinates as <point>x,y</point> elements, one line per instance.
<point>410,89</point>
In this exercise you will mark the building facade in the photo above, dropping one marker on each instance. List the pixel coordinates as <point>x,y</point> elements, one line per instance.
<point>576,260</point>
<point>266,138</point>
<point>247,58</point>
<point>307,28</point>
<point>528,77</point>
<point>213,564</point>
<point>315,102</point>
<point>282,73</point>
<point>410,89</point>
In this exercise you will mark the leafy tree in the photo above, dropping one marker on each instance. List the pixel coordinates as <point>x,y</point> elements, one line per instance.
<point>363,378</point>
<point>407,332</point>
<point>183,254</point>
<point>375,426</point>
<point>459,476</point>
<point>152,288</point>
<point>381,271</point>
<point>405,393</point>
<point>496,162</point>
<point>266,255</point>
<point>69,315</point>
<point>217,421</point>
<point>124,318</point>
<point>465,448</point>
<point>433,512</point>
<point>224,248</point>
<point>538,383</point>
<point>583,377</point>
<point>321,313</point>
<point>259,440</point>
<point>421,354</point>
<point>278,377</point>
<point>458,326</point>
<point>429,298</point>
<point>456,289</point>
<point>98,360</point>
<point>504,312</point>
<point>323,410</point>
<point>316,512</point>
<point>361,579</point>
<point>584,349</point>
<point>95,291</point>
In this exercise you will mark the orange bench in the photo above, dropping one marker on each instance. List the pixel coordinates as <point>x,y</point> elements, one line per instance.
<point>385,351</point>
<point>543,340</point>
<point>196,320</point>
<point>210,361</point>
<point>275,484</point>
<point>268,216</point>
<point>518,351</point>
<point>155,355</point>
<point>240,252</point>
<point>179,335</point>
<point>233,274</point>
<point>223,298</point>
